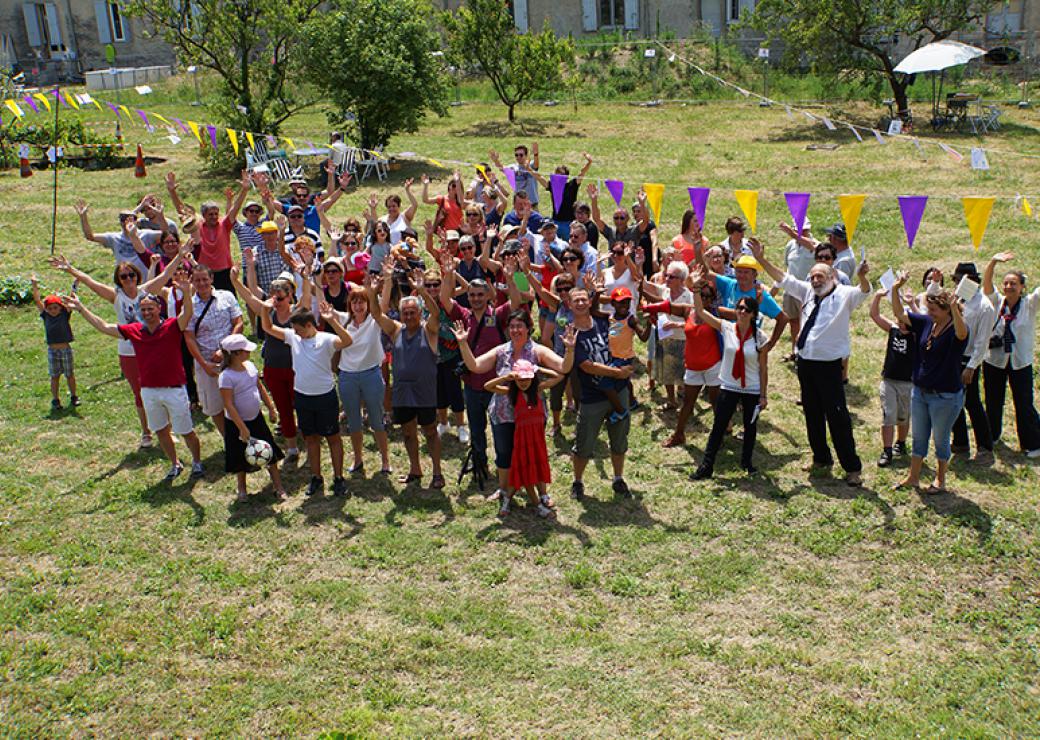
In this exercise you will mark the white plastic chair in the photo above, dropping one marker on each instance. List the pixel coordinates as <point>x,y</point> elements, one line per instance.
<point>373,160</point>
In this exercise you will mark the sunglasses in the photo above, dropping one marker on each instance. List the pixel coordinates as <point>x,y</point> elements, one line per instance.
<point>127,275</point>
<point>350,244</point>
<point>296,215</point>
<point>466,248</point>
<point>569,259</point>
<point>472,215</point>
<point>620,218</point>
<point>431,286</point>
<point>253,210</point>
<point>743,309</point>
<point>673,277</point>
<point>519,154</point>
<point>280,297</point>
<point>619,253</point>
<point>826,258</point>
<point>329,270</point>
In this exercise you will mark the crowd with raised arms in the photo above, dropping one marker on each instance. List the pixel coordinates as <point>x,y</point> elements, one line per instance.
<point>494,315</point>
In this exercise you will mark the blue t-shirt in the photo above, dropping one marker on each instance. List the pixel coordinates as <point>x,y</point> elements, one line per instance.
<point>534,221</point>
<point>592,344</point>
<point>729,293</point>
<point>936,367</point>
<point>310,213</point>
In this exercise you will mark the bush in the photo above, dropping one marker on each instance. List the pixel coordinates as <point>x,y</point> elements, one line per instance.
<point>15,291</point>
<point>71,134</point>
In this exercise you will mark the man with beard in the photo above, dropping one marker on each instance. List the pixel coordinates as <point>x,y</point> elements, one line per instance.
<point>822,342</point>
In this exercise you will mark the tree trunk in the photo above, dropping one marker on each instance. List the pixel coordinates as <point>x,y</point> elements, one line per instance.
<point>512,116</point>
<point>902,104</point>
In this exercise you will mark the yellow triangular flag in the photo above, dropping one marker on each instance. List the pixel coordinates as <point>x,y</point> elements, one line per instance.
<point>195,130</point>
<point>434,162</point>
<point>249,138</point>
<point>233,135</point>
<point>976,213</point>
<point>748,202</point>
<point>850,206</point>
<point>14,108</point>
<point>654,195</point>
<point>72,100</point>
<point>1027,209</point>
<point>43,99</point>
<point>127,111</point>
<point>289,142</point>
<point>96,104</point>
<point>161,118</point>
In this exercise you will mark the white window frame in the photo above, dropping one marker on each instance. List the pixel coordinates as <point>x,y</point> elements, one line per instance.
<point>114,8</point>
<point>615,7</point>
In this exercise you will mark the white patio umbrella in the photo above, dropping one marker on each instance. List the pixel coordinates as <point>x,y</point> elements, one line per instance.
<point>939,55</point>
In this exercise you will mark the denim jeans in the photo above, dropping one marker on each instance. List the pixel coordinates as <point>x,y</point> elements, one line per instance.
<point>366,387</point>
<point>477,403</point>
<point>932,414</point>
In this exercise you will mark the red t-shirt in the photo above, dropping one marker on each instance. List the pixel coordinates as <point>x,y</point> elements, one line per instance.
<point>702,346</point>
<point>216,244</point>
<point>687,251</point>
<point>452,213</point>
<point>158,353</point>
<point>492,334</point>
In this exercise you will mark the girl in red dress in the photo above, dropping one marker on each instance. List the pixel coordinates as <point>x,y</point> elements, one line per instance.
<point>529,467</point>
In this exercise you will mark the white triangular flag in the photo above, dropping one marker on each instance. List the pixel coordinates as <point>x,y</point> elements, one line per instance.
<point>957,156</point>
<point>809,115</point>
<point>828,124</point>
<point>143,89</point>
<point>919,149</point>
<point>978,158</point>
<point>878,136</point>
<point>895,127</point>
<point>174,139</point>
<point>855,132</point>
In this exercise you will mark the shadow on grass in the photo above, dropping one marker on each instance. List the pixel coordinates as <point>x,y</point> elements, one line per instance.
<point>959,510</point>
<point>524,527</point>
<point>319,509</point>
<point>415,498</point>
<point>260,507</point>
<point>503,129</point>
<point>65,412</point>
<point>180,491</point>
<point>841,491</point>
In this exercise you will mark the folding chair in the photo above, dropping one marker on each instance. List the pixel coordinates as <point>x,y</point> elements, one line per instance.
<point>349,163</point>
<point>373,160</point>
<point>282,171</point>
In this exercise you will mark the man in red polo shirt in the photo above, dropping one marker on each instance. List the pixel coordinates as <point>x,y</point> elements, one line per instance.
<point>157,343</point>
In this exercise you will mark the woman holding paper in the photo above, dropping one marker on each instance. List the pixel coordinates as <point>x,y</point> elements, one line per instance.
<point>938,393</point>
<point>1010,360</point>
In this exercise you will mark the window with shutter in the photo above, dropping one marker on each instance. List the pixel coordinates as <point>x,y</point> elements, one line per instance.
<point>118,21</point>
<point>32,25</point>
<point>53,27</point>
<point>588,15</point>
<point>101,16</point>
<point>631,14</point>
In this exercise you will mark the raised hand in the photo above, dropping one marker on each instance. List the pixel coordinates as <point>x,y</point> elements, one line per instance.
<point>81,207</point>
<point>408,183</point>
<point>588,157</point>
<point>155,260</point>
<point>1003,256</point>
<point>864,269</point>
<point>60,263</point>
<point>592,190</point>
<point>901,279</point>
<point>425,179</point>
<point>171,181</point>
<point>460,331</point>
<point>757,250</point>
<point>570,336</point>
<point>344,180</point>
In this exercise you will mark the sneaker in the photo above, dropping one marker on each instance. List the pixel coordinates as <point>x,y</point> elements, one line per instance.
<point>983,457</point>
<point>175,470</point>
<point>197,470</point>
<point>545,512</point>
<point>55,404</point>
<point>339,487</point>
<point>621,488</point>
<point>146,441</point>
<point>443,429</point>
<point>73,400</point>
<point>885,460</point>
<point>463,435</point>
<point>242,497</point>
<point>701,473</point>
<point>503,506</point>
<point>292,455</point>
<point>316,487</point>
<point>900,449</point>
<point>578,490</point>
<point>854,479</point>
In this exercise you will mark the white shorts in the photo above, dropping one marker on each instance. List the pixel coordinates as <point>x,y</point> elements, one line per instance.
<point>709,377</point>
<point>167,406</point>
<point>210,400</point>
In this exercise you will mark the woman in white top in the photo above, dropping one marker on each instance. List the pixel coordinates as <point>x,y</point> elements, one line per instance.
<point>361,378</point>
<point>126,297</point>
<point>667,363</point>
<point>396,219</point>
<point>745,373</point>
<point>1010,360</point>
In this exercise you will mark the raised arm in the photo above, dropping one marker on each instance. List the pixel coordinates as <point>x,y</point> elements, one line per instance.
<point>265,321</point>
<point>343,339</point>
<point>706,316</point>
<point>426,191</point>
<point>897,301</point>
<point>84,222</point>
<point>102,326</point>
<point>875,312</point>
<point>388,325</point>
<point>171,188</point>
<point>987,274</point>
<point>188,304</point>
<point>106,292</point>
<point>959,327</point>
<point>483,364</point>
<point>36,292</point>
<point>759,253</point>
<point>593,192</point>
<point>252,300</point>
<point>240,197</point>
<point>644,219</point>
<point>413,203</point>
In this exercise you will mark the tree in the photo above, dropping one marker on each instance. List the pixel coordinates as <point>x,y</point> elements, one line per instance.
<point>517,64</point>
<point>374,61</point>
<point>250,44</point>
<point>858,36</point>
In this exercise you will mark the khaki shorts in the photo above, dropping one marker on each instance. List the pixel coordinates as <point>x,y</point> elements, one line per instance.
<point>167,407</point>
<point>709,378</point>
<point>895,402</point>
<point>792,306</point>
<point>210,400</point>
<point>591,417</point>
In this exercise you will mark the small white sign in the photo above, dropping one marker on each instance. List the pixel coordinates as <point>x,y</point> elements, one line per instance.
<point>895,127</point>
<point>649,53</point>
<point>174,139</point>
<point>143,90</point>
<point>966,289</point>
<point>978,159</point>
<point>887,280</point>
<point>192,69</point>
<point>23,151</point>
<point>763,53</point>
<point>663,331</point>
<point>53,154</point>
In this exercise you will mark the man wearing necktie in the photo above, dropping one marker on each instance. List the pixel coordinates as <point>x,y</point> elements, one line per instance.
<point>822,343</point>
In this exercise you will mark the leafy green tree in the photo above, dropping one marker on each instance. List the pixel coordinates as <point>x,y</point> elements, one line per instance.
<point>374,61</point>
<point>250,44</point>
<point>857,36</point>
<point>482,32</point>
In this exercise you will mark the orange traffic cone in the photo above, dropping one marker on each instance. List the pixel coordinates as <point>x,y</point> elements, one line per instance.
<point>139,170</point>
<point>26,170</point>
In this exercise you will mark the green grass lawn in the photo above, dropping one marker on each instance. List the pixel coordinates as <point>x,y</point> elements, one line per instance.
<point>774,606</point>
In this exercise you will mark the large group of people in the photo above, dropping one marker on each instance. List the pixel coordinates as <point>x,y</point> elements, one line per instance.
<point>491,314</point>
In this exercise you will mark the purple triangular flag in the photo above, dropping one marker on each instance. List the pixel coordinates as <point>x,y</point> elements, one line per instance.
<point>212,134</point>
<point>699,201</point>
<point>798,205</point>
<point>114,108</point>
<point>144,116</point>
<point>616,188</point>
<point>556,184</point>
<point>271,140</point>
<point>180,123</point>
<point>912,208</point>
<point>31,103</point>
<point>511,177</point>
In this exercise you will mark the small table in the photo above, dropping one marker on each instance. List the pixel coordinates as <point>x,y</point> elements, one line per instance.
<point>960,107</point>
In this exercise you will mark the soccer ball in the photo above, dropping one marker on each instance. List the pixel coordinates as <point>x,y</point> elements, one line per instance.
<point>259,452</point>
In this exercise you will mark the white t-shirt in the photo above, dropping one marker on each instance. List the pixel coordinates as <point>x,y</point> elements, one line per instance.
<point>246,394</point>
<point>128,311</point>
<point>366,351</point>
<point>217,323</point>
<point>730,346</point>
<point>397,227</point>
<point>312,362</point>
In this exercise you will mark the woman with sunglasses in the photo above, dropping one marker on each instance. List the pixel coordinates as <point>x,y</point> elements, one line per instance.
<point>745,378</point>
<point>558,301</point>
<point>449,207</point>
<point>668,364</point>
<point>473,224</point>
<point>399,221</point>
<point>278,373</point>
<point>126,297</point>
<point>468,267</point>
<point>334,288</point>
<point>938,393</point>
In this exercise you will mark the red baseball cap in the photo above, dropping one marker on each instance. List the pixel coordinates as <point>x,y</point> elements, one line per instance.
<point>51,300</point>
<point>620,294</point>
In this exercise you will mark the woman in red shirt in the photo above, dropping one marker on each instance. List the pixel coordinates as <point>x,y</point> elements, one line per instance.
<point>449,207</point>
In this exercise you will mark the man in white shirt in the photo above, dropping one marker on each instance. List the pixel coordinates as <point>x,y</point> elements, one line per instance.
<point>822,343</point>
<point>979,314</point>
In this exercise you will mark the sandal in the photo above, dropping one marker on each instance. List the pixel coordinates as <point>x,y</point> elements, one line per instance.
<point>676,440</point>
<point>437,481</point>
<point>934,490</point>
<point>546,501</point>
<point>281,495</point>
<point>410,478</point>
<point>358,469</point>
